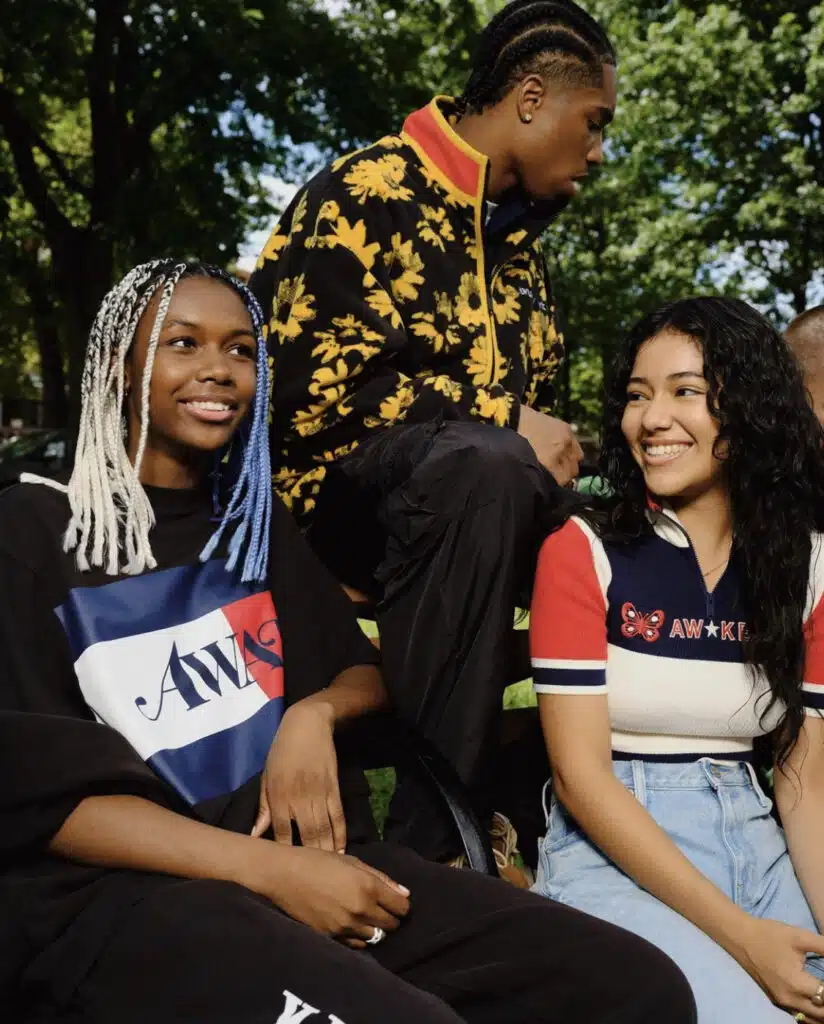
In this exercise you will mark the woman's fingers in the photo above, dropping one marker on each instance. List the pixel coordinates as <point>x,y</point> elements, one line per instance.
<point>282,825</point>
<point>264,816</point>
<point>809,942</point>
<point>810,988</point>
<point>334,809</point>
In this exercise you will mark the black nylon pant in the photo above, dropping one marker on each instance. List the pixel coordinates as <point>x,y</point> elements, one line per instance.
<point>472,949</point>
<point>442,523</point>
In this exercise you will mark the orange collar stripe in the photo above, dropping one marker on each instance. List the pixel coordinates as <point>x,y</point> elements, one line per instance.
<point>457,162</point>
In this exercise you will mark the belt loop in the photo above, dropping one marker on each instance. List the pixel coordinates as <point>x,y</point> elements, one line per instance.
<point>712,770</point>
<point>639,782</point>
<point>546,791</point>
<point>756,785</point>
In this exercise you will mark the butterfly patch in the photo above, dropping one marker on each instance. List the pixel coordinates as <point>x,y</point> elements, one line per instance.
<point>636,624</point>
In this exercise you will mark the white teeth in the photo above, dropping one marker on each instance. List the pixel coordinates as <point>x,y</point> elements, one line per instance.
<point>665,449</point>
<point>211,406</point>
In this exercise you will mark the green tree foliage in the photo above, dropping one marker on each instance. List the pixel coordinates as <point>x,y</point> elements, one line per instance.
<point>715,172</point>
<point>138,128</point>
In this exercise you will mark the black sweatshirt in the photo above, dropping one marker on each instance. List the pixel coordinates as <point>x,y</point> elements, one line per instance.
<point>169,686</point>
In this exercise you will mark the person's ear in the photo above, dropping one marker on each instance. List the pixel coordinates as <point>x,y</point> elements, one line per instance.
<point>531,93</point>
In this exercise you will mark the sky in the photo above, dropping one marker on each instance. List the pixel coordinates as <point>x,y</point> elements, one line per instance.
<point>280,191</point>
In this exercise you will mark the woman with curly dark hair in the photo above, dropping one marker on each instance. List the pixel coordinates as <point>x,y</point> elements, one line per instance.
<point>674,625</point>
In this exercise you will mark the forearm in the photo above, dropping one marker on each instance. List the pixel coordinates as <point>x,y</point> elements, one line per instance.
<point>133,833</point>
<point>800,808</point>
<point>625,831</point>
<point>354,692</point>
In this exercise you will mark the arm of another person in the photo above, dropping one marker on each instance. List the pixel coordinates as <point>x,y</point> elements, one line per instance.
<point>554,441</point>
<point>799,782</point>
<point>332,677</point>
<point>569,644</point>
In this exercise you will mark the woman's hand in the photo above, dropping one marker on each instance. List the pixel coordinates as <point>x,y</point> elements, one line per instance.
<point>774,954</point>
<point>336,895</point>
<point>300,780</point>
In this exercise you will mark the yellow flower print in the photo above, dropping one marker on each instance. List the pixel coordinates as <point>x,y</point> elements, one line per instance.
<point>472,247</point>
<point>327,381</point>
<point>537,322</point>
<point>293,308</point>
<point>451,388</point>
<point>390,142</point>
<point>435,228</point>
<point>481,361</point>
<point>505,302</point>
<point>435,185</point>
<point>405,267</point>
<point>309,421</point>
<point>469,303</point>
<point>353,238</point>
<point>519,273</point>
<point>271,251</point>
<point>336,453</point>
<point>393,408</point>
<point>333,342</point>
<point>329,210</point>
<point>299,214</point>
<point>516,237</point>
<point>380,302</point>
<point>350,327</point>
<point>551,332</point>
<point>296,489</point>
<point>437,327</point>
<point>381,178</point>
<point>495,408</point>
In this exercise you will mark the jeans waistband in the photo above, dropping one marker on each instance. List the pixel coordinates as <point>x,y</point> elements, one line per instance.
<point>705,773</point>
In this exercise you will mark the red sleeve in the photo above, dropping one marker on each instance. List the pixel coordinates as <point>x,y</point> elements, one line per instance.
<point>568,632</point>
<point>813,684</point>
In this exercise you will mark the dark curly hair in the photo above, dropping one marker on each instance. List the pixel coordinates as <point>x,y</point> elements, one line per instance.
<point>773,449</point>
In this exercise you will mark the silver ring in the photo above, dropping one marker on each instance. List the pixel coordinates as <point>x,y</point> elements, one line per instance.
<point>818,998</point>
<point>378,935</point>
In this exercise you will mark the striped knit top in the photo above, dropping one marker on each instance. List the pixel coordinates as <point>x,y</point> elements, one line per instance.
<point>636,622</point>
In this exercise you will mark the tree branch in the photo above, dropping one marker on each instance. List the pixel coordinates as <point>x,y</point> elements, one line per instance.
<point>22,142</point>
<point>106,132</point>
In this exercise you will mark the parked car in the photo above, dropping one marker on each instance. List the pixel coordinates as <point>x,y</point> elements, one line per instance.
<point>45,452</point>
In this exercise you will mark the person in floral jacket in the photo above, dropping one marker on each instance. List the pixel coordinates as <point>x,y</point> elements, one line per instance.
<point>415,343</point>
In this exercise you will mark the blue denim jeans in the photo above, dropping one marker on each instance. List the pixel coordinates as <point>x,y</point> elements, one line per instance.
<point>719,817</point>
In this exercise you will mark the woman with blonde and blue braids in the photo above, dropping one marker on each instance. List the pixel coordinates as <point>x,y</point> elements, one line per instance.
<point>175,663</point>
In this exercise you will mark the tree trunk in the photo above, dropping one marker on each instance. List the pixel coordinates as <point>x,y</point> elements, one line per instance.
<point>44,318</point>
<point>83,268</point>
<point>800,296</point>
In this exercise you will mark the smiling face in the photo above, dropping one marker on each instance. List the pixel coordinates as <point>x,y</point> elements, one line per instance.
<point>667,422</point>
<point>560,133</point>
<point>203,378</point>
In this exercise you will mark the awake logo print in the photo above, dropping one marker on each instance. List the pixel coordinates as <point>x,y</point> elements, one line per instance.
<point>636,624</point>
<point>187,665</point>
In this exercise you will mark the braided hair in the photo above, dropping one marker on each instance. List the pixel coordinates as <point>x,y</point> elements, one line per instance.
<point>551,38</point>
<point>111,515</point>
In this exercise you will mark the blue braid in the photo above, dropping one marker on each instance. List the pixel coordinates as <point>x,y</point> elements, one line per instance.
<point>251,493</point>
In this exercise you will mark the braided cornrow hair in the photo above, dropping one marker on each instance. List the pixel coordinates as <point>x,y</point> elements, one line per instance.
<point>111,516</point>
<point>555,38</point>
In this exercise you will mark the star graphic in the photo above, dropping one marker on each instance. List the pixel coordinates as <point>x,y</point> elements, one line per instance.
<point>712,629</point>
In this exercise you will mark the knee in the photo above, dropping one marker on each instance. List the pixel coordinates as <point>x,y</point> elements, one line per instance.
<point>603,967</point>
<point>490,464</point>
<point>647,983</point>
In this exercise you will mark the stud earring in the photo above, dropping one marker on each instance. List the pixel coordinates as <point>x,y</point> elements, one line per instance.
<point>526,118</point>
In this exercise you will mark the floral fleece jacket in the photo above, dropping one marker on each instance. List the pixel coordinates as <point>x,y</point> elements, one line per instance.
<point>395,293</point>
